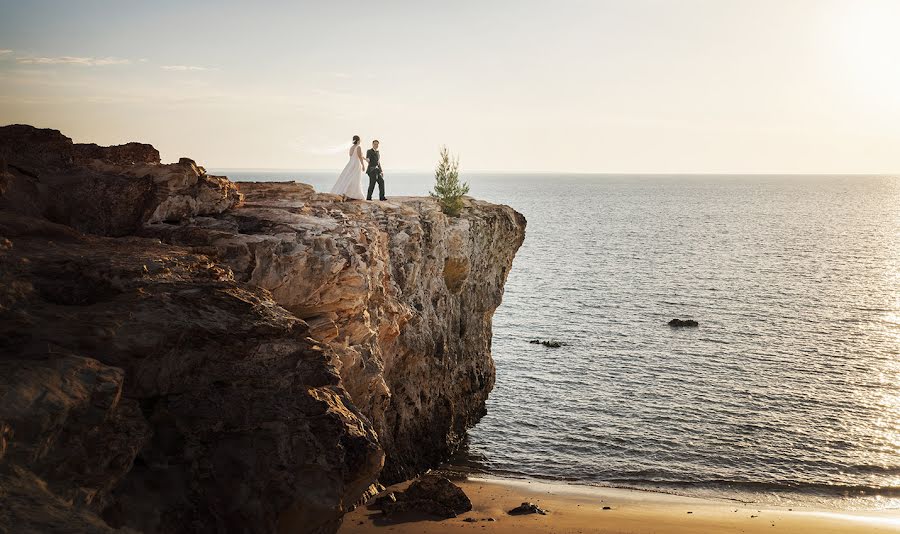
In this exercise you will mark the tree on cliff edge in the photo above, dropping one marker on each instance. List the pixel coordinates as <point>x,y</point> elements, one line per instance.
<point>448,190</point>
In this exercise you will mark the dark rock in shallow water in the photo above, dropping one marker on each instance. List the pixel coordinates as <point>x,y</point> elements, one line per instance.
<point>683,322</point>
<point>527,508</point>
<point>433,495</point>
<point>551,343</point>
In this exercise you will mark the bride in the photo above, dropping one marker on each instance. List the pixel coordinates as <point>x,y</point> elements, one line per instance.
<point>348,183</point>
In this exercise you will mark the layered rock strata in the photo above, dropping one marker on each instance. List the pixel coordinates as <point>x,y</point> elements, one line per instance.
<point>403,293</point>
<point>180,353</point>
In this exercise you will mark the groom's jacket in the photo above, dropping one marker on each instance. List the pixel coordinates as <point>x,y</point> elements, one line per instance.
<point>374,161</point>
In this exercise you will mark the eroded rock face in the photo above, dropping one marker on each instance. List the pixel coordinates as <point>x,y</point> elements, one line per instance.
<point>224,367</point>
<point>5,177</point>
<point>127,154</point>
<point>60,411</point>
<point>143,383</point>
<point>30,508</point>
<point>109,191</point>
<point>403,293</point>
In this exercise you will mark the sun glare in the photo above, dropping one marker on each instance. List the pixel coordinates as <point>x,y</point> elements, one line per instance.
<point>869,43</point>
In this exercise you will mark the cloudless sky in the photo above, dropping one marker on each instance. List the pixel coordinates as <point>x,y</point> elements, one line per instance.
<point>795,86</point>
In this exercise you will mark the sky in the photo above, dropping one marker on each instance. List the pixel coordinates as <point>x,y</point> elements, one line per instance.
<point>628,86</point>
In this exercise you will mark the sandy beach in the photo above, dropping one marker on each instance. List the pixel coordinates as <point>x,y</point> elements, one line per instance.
<point>580,509</point>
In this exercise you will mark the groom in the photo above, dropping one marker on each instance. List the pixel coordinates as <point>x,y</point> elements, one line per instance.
<point>374,171</point>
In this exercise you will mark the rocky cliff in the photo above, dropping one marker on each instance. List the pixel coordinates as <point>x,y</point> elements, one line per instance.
<point>181,353</point>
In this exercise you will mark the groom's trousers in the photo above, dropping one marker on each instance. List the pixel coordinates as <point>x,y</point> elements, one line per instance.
<point>376,177</point>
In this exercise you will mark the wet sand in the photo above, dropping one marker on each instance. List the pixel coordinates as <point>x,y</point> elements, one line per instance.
<point>574,509</point>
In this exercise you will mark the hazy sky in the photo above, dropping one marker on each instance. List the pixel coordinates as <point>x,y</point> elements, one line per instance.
<point>589,86</point>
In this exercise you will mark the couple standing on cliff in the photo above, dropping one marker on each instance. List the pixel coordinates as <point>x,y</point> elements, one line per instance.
<point>348,183</point>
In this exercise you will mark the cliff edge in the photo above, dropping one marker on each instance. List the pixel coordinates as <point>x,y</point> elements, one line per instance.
<point>183,353</point>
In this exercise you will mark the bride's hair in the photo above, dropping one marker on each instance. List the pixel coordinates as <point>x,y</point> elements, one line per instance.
<point>355,139</point>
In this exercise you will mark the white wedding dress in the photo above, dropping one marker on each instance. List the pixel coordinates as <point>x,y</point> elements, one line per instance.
<point>349,183</point>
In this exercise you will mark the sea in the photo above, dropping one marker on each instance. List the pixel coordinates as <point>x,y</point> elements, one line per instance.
<point>788,391</point>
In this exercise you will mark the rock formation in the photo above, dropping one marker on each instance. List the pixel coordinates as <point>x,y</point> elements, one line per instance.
<point>402,293</point>
<point>527,508</point>
<point>110,191</point>
<point>181,353</point>
<point>431,494</point>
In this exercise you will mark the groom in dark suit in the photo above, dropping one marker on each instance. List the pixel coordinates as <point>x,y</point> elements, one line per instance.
<point>374,171</point>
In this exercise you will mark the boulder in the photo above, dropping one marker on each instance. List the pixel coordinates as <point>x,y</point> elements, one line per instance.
<point>430,494</point>
<point>527,508</point>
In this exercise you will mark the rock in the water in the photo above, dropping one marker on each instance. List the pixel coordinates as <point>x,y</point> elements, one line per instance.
<point>431,494</point>
<point>683,323</point>
<point>527,508</point>
<point>550,343</point>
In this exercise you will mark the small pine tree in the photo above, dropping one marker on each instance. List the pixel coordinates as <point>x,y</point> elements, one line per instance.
<point>448,190</point>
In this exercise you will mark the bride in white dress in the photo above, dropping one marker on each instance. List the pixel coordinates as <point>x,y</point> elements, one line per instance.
<point>349,183</point>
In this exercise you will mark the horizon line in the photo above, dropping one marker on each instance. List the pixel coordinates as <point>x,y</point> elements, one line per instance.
<point>588,173</point>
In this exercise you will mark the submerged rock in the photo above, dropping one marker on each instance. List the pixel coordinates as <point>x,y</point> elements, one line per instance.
<point>550,343</point>
<point>683,323</point>
<point>430,494</point>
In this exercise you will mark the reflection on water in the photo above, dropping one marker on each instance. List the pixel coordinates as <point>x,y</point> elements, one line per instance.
<point>792,382</point>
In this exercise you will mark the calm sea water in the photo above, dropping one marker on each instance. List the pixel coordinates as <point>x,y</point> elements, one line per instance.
<point>789,389</point>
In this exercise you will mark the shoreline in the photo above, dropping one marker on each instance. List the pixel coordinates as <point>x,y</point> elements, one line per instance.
<point>840,499</point>
<point>580,508</point>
